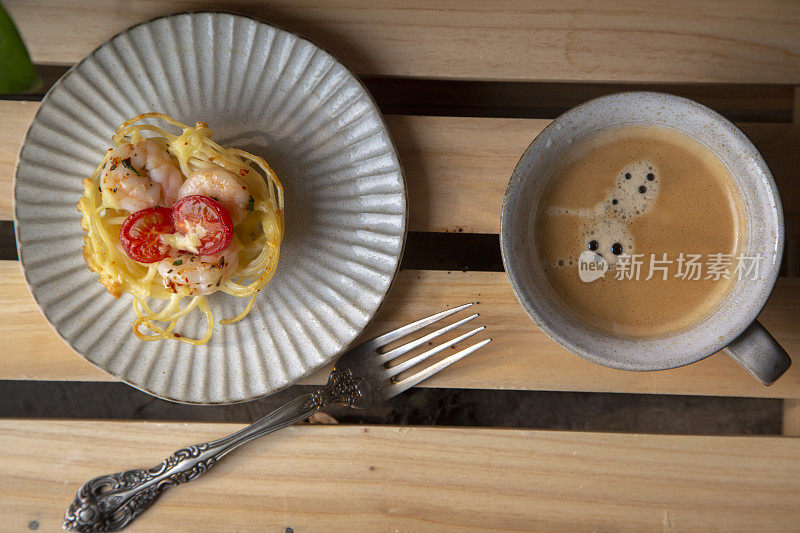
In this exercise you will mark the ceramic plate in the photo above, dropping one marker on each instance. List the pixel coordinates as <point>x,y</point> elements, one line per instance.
<point>261,89</point>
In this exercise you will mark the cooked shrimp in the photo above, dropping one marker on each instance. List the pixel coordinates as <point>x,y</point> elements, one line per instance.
<point>202,274</point>
<point>221,185</point>
<point>159,165</point>
<point>138,176</point>
<point>124,186</point>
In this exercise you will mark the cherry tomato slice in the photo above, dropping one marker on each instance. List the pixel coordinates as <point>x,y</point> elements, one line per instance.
<point>140,234</point>
<point>199,210</point>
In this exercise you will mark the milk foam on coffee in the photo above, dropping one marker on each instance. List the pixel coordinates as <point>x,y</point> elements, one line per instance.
<point>637,190</point>
<point>606,227</point>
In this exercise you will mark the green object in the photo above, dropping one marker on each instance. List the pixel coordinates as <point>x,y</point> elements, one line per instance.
<point>16,70</point>
<point>127,163</point>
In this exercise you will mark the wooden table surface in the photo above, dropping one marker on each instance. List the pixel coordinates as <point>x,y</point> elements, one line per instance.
<point>466,86</point>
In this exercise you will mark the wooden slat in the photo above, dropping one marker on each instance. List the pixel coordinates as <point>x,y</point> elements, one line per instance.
<point>347,478</point>
<point>458,168</point>
<point>646,40</point>
<point>520,357</point>
<point>791,418</point>
<point>15,117</point>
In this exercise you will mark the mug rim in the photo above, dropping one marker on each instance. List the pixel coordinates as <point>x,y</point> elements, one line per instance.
<point>716,339</point>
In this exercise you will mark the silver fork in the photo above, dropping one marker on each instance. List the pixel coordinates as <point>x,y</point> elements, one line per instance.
<point>360,379</point>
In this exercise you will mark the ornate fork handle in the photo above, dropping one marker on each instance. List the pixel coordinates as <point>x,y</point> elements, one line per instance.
<point>111,502</point>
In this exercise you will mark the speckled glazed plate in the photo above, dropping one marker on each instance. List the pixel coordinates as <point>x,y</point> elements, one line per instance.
<point>261,89</point>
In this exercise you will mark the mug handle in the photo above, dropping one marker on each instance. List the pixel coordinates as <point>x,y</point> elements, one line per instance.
<point>759,353</point>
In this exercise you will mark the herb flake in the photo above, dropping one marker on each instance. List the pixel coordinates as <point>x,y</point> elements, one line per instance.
<point>127,163</point>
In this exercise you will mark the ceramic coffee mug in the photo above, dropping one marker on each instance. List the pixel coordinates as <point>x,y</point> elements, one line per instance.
<point>732,326</point>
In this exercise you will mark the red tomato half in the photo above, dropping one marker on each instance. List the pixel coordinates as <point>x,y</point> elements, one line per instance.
<point>195,210</point>
<point>140,234</point>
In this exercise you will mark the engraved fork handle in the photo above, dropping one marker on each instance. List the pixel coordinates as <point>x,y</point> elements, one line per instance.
<point>111,502</point>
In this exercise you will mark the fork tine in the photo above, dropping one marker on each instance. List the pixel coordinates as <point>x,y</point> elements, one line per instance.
<point>410,381</point>
<point>386,338</point>
<point>405,365</point>
<point>407,347</point>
